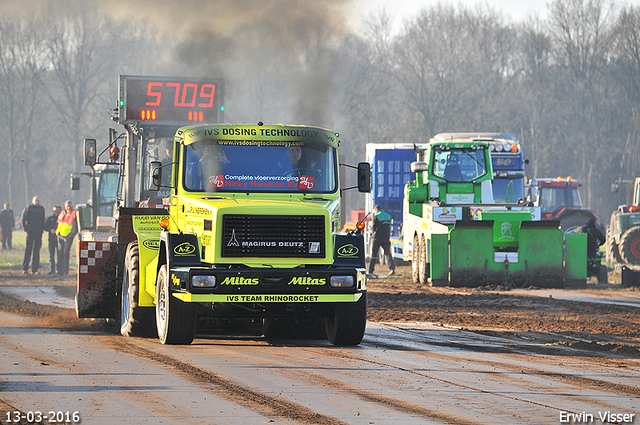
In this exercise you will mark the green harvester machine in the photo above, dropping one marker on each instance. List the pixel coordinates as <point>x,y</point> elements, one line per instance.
<point>455,234</point>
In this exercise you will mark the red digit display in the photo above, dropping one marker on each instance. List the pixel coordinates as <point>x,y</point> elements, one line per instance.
<point>151,94</point>
<point>170,101</point>
<point>211,88</point>
<point>176,102</point>
<point>186,89</point>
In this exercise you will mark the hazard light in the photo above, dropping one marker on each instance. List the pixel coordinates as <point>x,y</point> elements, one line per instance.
<point>114,154</point>
<point>634,208</point>
<point>164,223</point>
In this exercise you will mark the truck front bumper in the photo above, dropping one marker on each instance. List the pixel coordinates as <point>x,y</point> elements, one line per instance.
<point>244,285</point>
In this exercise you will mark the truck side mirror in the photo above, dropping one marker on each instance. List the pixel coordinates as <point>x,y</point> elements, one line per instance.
<point>364,177</point>
<point>419,167</point>
<point>90,152</point>
<point>155,175</point>
<point>74,182</point>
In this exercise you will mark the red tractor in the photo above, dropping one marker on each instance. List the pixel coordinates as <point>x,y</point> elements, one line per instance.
<point>559,199</point>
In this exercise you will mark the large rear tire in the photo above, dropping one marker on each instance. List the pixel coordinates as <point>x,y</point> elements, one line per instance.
<point>347,322</point>
<point>629,247</point>
<point>134,319</point>
<point>176,320</point>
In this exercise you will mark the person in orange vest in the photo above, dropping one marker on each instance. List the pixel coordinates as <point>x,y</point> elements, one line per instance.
<point>66,231</point>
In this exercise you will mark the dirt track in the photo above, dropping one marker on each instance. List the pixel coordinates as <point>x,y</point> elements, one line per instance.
<point>486,357</point>
<point>601,328</point>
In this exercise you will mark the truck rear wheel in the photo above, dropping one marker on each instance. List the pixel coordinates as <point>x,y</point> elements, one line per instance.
<point>347,322</point>
<point>176,320</point>
<point>134,320</point>
<point>630,246</point>
<point>423,266</point>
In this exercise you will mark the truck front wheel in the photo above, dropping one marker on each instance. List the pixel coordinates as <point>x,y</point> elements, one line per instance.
<point>134,320</point>
<point>346,322</point>
<point>175,319</point>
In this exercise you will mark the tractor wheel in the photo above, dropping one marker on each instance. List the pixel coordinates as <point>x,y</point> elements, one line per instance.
<point>613,250</point>
<point>176,320</point>
<point>630,246</point>
<point>134,320</point>
<point>415,260</point>
<point>347,322</point>
<point>423,266</point>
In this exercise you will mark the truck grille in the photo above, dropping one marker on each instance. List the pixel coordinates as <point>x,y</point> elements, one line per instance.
<point>273,236</point>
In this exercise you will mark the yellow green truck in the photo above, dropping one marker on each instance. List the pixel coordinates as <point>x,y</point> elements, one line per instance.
<point>241,225</point>
<point>455,234</point>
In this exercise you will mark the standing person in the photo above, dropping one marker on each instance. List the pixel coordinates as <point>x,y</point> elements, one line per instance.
<point>380,238</point>
<point>7,223</point>
<point>33,223</point>
<point>66,231</point>
<point>50,227</point>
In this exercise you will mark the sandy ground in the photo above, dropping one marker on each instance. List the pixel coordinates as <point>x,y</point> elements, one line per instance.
<point>605,328</point>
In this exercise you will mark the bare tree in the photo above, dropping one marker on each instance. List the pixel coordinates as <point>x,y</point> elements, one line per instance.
<point>536,94</point>
<point>83,54</point>
<point>22,66</point>
<point>581,30</point>
<point>626,61</point>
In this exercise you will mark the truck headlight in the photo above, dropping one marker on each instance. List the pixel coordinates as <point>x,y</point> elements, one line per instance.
<point>341,281</point>
<point>202,281</point>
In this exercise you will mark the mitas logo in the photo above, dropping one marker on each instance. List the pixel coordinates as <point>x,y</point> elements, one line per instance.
<point>184,248</point>
<point>307,281</point>
<point>240,281</point>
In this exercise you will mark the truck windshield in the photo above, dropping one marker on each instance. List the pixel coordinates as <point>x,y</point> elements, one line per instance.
<point>259,166</point>
<point>459,165</point>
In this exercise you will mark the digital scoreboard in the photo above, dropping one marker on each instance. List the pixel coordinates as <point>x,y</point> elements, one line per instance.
<point>170,101</point>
